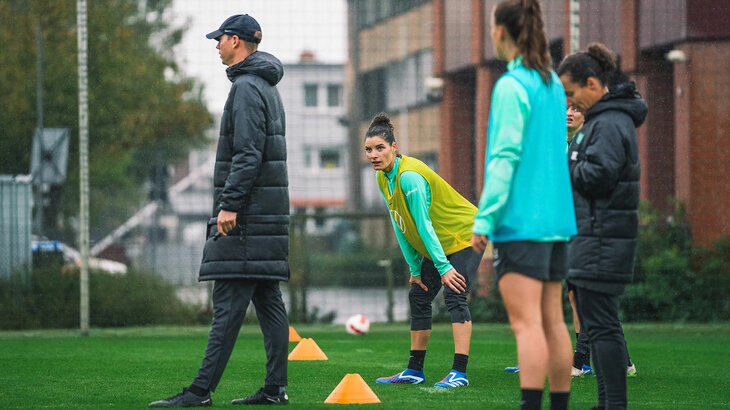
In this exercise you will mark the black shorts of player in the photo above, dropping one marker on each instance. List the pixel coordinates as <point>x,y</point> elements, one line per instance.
<point>466,262</point>
<point>545,261</point>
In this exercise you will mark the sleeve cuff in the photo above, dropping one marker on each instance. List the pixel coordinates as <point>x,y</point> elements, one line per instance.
<point>482,227</point>
<point>445,268</point>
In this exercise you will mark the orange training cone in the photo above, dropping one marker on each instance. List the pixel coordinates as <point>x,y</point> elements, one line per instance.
<point>293,335</point>
<point>307,350</point>
<point>352,389</point>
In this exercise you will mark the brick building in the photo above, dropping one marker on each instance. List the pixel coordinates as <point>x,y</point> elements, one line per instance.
<point>431,65</point>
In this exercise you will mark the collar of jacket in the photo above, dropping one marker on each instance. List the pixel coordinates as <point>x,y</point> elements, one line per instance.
<point>259,63</point>
<point>621,97</point>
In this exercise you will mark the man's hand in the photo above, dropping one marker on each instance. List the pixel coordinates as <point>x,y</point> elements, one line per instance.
<point>226,221</point>
<point>454,280</point>
<point>479,242</point>
<point>417,280</point>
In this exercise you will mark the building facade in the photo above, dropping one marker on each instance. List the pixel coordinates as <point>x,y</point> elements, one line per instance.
<point>312,93</point>
<point>685,141</point>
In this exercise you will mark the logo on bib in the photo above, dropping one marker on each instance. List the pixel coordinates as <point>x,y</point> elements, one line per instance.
<point>398,220</point>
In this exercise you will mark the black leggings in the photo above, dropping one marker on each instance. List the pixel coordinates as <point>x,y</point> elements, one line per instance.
<point>466,262</point>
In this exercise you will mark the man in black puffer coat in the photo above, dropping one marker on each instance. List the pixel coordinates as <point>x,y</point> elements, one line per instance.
<point>247,246</point>
<point>605,173</point>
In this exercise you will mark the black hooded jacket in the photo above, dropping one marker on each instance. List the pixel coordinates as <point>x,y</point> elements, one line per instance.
<point>605,172</point>
<point>250,178</point>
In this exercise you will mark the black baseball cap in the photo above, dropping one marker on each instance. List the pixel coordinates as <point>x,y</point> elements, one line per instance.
<point>242,25</point>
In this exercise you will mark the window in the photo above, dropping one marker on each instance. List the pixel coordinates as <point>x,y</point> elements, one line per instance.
<point>334,95</point>
<point>373,91</point>
<point>329,158</point>
<point>371,12</point>
<point>307,157</point>
<point>310,95</point>
<point>405,81</point>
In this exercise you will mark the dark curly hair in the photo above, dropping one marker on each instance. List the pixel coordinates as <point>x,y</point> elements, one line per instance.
<point>381,126</point>
<point>597,61</point>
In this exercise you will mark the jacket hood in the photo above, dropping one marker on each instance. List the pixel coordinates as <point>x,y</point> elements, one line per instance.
<point>623,97</point>
<point>259,63</point>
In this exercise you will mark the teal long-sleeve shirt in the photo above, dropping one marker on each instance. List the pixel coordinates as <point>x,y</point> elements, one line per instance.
<point>418,198</point>
<point>511,109</point>
<point>510,114</point>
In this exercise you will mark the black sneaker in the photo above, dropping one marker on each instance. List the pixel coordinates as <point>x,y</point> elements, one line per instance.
<point>262,398</point>
<point>184,399</point>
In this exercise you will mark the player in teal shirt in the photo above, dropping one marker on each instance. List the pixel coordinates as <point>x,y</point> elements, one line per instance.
<point>526,208</point>
<point>418,197</point>
<point>439,252</point>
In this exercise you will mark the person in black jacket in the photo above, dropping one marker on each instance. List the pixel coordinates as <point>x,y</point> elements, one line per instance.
<point>247,246</point>
<point>582,354</point>
<point>605,172</point>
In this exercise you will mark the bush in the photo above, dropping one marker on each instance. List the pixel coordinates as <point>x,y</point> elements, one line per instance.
<point>49,298</point>
<point>674,280</point>
<point>490,308</point>
<point>712,272</point>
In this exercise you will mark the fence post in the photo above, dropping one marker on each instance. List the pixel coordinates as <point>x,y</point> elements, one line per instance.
<point>296,267</point>
<point>387,264</point>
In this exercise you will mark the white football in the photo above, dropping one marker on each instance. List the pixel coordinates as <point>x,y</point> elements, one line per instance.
<point>357,325</point>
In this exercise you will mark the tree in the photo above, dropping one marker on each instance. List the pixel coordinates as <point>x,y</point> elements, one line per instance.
<point>139,102</point>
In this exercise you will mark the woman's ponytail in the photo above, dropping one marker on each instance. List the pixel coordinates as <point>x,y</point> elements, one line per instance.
<point>524,23</point>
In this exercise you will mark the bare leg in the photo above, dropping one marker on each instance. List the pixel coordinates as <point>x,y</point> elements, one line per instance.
<point>523,298</point>
<point>462,337</point>
<point>419,339</point>
<point>576,321</point>
<point>557,337</point>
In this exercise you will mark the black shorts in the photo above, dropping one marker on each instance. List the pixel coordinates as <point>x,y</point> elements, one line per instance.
<point>466,262</point>
<point>545,261</point>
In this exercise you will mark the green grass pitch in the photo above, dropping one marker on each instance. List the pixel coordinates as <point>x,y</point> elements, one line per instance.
<point>680,366</point>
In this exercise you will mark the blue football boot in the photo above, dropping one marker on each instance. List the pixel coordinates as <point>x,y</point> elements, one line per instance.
<point>453,379</point>
<point>407,376</point>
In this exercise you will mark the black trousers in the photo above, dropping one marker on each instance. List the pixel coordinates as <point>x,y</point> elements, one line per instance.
<point>582,345</point>
<point>598,315</point>
<point>230,301</point>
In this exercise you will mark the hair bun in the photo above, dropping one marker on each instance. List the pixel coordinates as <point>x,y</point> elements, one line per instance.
<point>381,120</point>
<point>604,56</point>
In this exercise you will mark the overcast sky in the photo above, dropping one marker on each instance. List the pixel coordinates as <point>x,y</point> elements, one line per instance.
<point>288,27</point>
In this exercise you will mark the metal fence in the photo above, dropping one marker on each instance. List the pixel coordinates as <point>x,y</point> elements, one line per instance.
<point>341,264</point>
<point>344,264</point>
<point>16,204</point>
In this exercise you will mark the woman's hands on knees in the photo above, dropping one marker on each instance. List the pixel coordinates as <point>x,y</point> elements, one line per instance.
<point>454,280</point>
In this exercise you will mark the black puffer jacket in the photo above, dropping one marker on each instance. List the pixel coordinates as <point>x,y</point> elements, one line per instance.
<point>251,178</point>
<point>605,172</point>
